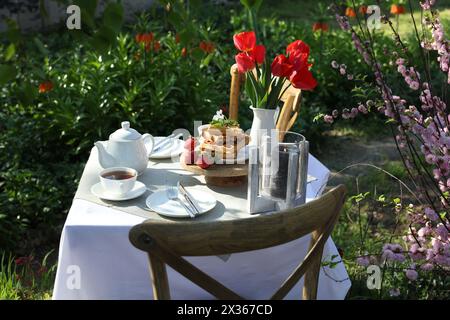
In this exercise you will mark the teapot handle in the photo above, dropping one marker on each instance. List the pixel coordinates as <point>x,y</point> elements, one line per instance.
<point>149,143</point>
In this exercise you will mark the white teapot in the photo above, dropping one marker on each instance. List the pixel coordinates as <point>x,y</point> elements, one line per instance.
<point>126,148</point>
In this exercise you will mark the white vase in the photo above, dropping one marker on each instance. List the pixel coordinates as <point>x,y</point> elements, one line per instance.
<point>264,120</point>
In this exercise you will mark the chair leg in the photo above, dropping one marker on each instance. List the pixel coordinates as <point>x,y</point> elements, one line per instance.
<point>312,278</point>
<point>161,290</point>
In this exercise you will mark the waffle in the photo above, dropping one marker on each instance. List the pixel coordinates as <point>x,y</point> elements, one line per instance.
<point>223,143</point>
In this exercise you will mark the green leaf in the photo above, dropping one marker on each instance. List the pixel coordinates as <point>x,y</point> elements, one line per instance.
<point>10,52</point>
<point>7,73</point>
<point>113,16</point>
<point>186,36</point>
<point>42,49</point>
<point>87,8</point>
<point>207,60</point>
<point>175,20</point>
<point>43,9</point>
<point>252,4</point>
<point>103,39</point>
<point>382,198</point>
<point>197,53</point>
<point>13,33</point>
<point>27,93</point>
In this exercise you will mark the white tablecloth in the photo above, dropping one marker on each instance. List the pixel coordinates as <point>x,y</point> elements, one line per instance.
<point>97,261</point>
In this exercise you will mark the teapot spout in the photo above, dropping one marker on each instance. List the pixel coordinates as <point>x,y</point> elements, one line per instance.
<point>105,159</point>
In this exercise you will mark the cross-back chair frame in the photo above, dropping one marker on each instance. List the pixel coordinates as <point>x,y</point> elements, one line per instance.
<point>166,243</point>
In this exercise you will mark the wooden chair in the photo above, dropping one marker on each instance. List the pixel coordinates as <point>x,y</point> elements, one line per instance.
<point>291,98</point>
<point>167,242</point>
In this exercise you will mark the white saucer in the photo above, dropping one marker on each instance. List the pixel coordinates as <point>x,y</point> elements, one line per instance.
<point>138,190</point>
<point>160,203</point>
<point>174,148</point>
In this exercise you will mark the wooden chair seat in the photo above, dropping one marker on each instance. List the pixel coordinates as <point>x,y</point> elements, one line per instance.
<point>166,243</point>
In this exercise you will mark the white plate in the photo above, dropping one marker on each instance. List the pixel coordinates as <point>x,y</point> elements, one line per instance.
<point>174,148</point>
<point>160,203</point>
<point>138,190</point>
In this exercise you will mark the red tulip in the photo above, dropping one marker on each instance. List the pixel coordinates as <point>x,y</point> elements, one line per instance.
<point>281,66</point>
<point>245,41</point>
<point>303,79</point>
<point>258,53</point>
<point>298,46</point>
<point>299,60</point>
<point>244,62</point>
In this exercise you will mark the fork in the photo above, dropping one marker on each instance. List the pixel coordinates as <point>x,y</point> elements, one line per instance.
<point>172,194</point>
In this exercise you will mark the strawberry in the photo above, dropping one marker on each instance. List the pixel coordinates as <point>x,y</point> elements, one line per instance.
<point>190,157</point>
<point>203,162</point>
<point>189,144</point>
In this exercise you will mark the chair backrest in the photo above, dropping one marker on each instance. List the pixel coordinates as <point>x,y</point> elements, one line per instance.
<point>291,98</point>
<point>168,241</point>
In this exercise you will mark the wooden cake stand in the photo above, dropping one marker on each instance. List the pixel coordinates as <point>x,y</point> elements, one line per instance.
<point>221,175</point>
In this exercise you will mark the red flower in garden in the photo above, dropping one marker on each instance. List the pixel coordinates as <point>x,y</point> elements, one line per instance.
<point>258,54</point>
<point>41,271</point>
<point>156,46</point>
<point>320,26</point>
<point>363,10</point>
<point>45,86</point>
<point>146,39</point>
<point>397,9</point>
<point>184,52</point>
<point>350,12</point>
<point>251,53</point>
<point>298,47</point>
<point>292,66</point>
<point>245,41</point>
<point>21,261</point>
<point>298,52</point>
<point>281,67</point>
<point>177,38</point>
<point>207,47</point>
<point>244,62</point>
<point>303,79</point>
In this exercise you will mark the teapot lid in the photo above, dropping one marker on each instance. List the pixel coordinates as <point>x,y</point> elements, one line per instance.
<point>125,133</point>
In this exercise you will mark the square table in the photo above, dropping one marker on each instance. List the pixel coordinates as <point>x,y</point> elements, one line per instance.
<point>97,261</point>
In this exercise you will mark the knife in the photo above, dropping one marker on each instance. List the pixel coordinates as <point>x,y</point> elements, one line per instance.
<point>188,197</point>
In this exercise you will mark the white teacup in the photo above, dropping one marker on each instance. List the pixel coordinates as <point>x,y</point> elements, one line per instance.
<point>118,180</point>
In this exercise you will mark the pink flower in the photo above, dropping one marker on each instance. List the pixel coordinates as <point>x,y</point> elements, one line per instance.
<point>411,274</point>
<point>431,214</point>
<point>362,109</point>
<point>363,261</point>
<point>328,119</point>
<point>442,231</point>
<point>427,267</point>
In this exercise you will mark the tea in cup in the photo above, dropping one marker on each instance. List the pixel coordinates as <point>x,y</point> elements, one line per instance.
<point>118,180</point>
